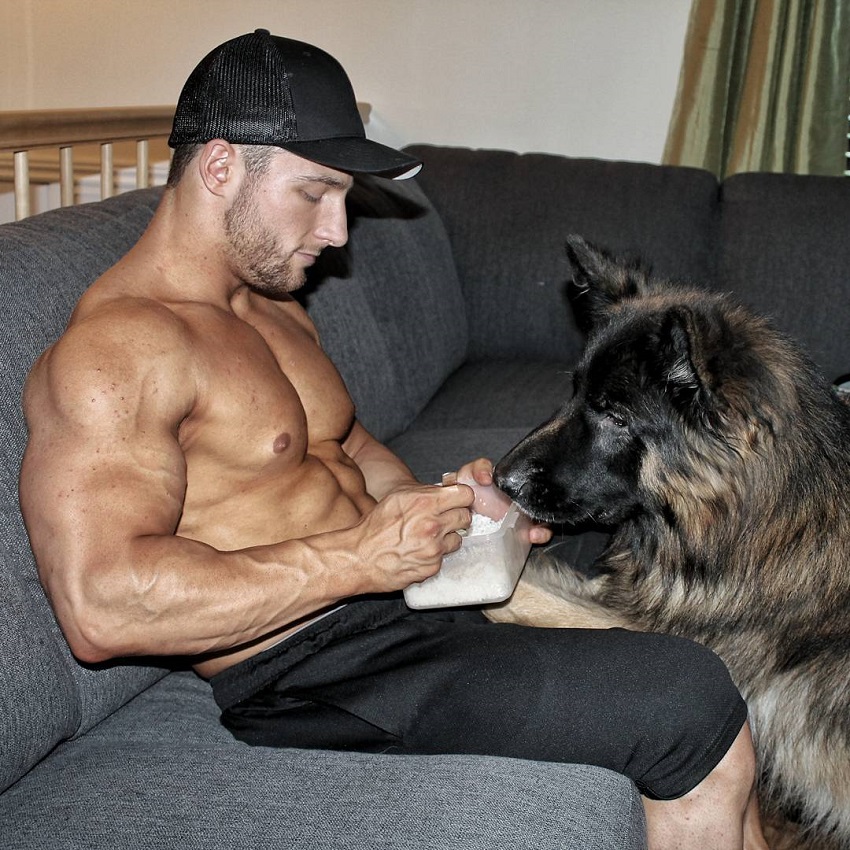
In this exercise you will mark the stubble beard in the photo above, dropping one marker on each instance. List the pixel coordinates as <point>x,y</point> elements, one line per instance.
<point>256,253</point>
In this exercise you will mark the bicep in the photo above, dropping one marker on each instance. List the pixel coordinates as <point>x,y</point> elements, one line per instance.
<point>102,466</point>
<point>72,479</point>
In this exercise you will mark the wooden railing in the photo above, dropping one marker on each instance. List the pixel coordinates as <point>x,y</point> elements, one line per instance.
<point>29,141</point>
<point>87,141</point>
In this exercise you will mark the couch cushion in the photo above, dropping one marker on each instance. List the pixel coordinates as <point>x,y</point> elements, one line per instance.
<point>162,773</point>
<point>388,306</point>
<point>785,250</point>
<point>507,216</point>
<point>483,410</point>
<point>45,264</point>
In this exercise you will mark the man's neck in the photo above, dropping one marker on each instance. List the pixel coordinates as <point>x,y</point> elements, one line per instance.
<point>181,251</point>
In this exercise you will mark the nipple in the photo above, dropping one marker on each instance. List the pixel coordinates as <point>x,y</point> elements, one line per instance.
<point>281,442</point>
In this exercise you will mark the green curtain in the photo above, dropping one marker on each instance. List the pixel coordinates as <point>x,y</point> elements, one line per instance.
<point>764,86</point>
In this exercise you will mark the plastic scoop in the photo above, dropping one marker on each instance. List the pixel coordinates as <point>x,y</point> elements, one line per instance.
<point>489,500</point>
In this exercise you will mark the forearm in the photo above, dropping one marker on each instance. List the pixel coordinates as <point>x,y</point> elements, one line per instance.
<point>383,470</point>
<point>168,595</point>
<point>385,473</point>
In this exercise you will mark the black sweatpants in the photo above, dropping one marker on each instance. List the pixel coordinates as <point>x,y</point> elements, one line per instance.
<point>376,676</point>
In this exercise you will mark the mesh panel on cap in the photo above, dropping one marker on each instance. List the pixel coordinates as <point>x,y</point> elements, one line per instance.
<point>240,93</point>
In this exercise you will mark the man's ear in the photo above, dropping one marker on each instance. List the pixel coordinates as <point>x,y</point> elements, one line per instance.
<point>217,165</point>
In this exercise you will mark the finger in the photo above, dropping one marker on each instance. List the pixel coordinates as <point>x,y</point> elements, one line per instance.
<point>539,534</point>
<point>453,542</point>
<point>479,471</point>
<point>458,495</point>
<point>482,470</point>
<point>457,519</point>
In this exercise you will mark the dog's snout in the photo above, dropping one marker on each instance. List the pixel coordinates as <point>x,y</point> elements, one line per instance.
<point>510,477</point>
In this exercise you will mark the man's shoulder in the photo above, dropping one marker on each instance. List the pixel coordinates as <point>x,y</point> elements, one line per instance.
<point>116,312</point>
<point>126,345</point>
<point>122,333</point>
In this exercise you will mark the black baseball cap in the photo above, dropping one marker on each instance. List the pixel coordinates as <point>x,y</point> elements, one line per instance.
<point>262,89</point>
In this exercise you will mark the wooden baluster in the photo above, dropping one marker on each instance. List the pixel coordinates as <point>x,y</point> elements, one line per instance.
<point>22,185</point>
<point>107,177</point>
<point>142,164</point>
<point>66,176</point>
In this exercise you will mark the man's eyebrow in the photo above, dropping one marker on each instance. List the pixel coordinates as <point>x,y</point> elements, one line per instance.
<point>333,182</point>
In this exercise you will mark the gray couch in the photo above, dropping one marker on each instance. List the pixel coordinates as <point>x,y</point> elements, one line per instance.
<point>446,316</point>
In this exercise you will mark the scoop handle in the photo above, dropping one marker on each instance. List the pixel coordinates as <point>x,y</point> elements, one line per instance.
<point>489,500</point>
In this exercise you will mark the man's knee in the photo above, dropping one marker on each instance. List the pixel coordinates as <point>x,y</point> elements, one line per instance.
<point>690,713</point>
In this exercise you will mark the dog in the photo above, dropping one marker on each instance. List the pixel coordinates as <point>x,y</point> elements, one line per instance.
<point>720,458</point>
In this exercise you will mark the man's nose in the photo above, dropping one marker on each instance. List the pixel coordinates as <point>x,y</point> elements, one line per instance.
<point>333,227</point>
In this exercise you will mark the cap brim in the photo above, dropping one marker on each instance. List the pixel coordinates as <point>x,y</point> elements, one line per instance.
<point>357,155</point>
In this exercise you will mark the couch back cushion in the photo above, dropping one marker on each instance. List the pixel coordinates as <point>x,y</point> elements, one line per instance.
<point>507,216</point>
<point>785,250</point>
<point>388,306</point>
<point>38,695</point>
<point>45,264</point>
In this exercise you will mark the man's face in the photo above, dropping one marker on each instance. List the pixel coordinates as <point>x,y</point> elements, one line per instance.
<point>282,218</point>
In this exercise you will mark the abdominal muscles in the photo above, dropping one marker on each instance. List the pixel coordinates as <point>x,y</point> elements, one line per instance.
<point>283,501</point>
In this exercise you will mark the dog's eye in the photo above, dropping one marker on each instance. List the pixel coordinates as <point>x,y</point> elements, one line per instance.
<point>609,414</point>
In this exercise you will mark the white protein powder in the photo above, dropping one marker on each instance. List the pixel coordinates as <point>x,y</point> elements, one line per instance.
<point>483,525</point>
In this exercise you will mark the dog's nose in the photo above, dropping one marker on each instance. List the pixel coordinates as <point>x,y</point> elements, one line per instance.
<point>508,478</point>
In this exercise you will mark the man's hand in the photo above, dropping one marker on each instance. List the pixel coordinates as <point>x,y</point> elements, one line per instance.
<point>404,538</point>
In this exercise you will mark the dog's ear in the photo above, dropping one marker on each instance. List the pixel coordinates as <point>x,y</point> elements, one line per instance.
<point>677,336</point>
<point>681,364</point>
<point>599,281</point>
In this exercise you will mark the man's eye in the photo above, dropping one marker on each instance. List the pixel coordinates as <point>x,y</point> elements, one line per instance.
<point>313,199</point>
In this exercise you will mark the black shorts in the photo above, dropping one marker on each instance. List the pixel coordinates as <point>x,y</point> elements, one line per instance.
<point>376,676</point>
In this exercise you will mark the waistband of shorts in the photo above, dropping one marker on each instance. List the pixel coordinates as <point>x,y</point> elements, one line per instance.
<point>246,678</point>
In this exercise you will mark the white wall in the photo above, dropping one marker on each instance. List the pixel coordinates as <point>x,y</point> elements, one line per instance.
<point>580,77</point>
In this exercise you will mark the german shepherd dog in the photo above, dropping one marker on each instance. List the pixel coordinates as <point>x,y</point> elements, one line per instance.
<point>720,458</point>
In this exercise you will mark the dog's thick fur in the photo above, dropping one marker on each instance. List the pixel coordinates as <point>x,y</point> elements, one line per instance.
<point>721,459</point>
